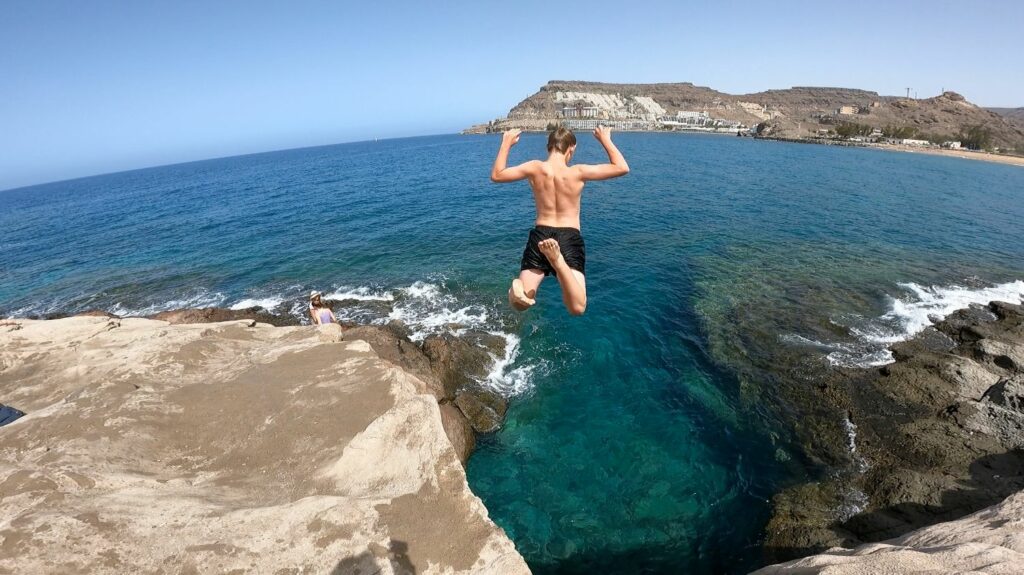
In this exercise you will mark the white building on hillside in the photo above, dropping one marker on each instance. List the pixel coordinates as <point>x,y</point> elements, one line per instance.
<point>692,117</point>
<point>580,111</point>
<point>591,124</point>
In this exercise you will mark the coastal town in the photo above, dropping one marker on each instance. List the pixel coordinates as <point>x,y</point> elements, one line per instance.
<point>944,124</point>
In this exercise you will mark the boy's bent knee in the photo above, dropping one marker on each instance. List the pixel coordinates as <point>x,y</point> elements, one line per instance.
<point>577,308</point>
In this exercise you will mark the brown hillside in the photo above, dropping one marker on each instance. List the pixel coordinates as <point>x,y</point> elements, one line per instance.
<point>1013,115</point>
<point>795,112</point>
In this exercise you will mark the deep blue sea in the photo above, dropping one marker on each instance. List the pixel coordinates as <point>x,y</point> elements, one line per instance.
<point>631,444</point>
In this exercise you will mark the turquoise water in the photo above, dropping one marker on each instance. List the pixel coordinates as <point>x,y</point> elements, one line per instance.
<point>634,442</point>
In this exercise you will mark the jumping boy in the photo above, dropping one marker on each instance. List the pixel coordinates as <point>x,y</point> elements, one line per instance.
<point>555,245</point>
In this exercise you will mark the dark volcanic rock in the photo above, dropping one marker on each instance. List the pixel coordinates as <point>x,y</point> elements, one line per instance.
<point>86,313</point>
<point>456,362</point>
<point>940,434</point>
<point>484,409</point>
<point>403,353</point>
<point>364,309</point>
<point>460,363</point>
<point>398,327</point>
<point>930,340</point>
<point>216,314</point>
<point>962,324</point>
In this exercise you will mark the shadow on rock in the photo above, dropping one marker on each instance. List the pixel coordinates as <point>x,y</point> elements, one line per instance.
<point>368,562</point>
<point>993,478</point>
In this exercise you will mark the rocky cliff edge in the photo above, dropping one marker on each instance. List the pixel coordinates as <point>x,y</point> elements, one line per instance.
<point>228,447</point>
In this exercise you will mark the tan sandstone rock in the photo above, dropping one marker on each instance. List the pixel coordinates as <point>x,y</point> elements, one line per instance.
<point>229,447</point>
<point>330,333</point>
<point>990,541</point>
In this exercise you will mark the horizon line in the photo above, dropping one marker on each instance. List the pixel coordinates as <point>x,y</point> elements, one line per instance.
<point>213,158</point>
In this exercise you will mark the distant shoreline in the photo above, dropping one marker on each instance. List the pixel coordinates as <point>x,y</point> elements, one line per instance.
<point>965,154</point>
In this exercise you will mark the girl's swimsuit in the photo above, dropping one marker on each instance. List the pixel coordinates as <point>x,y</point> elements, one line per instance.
<point>325,316</point>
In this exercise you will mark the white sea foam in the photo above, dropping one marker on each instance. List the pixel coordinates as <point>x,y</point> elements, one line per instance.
<point>909,313</point>
<point>503,377</point>
<point>359,294</point>
<point>267,303</point>
<point>929,304</point>
<point>853,500</point>
<point>843,354</point>
<point>422,290</point>
<point>428,308</point>
<point>860,465</point>
<point>860,358</point>
<point>200,299</point>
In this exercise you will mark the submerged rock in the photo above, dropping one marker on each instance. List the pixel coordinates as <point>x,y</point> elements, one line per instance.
<point>228,447</point>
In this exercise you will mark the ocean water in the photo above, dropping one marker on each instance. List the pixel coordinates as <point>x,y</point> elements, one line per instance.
<point>633,443</point>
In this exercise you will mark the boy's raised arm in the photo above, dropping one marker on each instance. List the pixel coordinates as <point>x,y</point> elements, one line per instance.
<point>499,172</point>
<point>617,165</point>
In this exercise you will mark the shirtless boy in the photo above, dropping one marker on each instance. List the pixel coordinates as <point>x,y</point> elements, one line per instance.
<point>555,245</point>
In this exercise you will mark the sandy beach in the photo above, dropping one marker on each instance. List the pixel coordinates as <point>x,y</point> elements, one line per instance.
<point>966,154</point>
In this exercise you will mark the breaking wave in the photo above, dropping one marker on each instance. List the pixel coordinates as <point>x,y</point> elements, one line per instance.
<point>267,303</point>
<point>910,312</point>
<point>202,298</point>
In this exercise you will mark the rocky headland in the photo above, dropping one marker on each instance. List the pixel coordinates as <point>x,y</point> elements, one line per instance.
<point>174,445</point>
<point>797,112</point>
<point>930,438</point>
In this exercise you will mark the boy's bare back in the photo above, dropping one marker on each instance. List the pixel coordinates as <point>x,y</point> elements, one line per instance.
<point>557,186</point>
<point>555,246</point>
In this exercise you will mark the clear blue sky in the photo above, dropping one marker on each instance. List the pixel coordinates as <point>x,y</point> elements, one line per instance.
<point>93,87</point>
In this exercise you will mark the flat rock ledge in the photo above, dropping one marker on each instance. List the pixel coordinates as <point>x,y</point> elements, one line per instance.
<point>989,541</point>
<point>232,447</point>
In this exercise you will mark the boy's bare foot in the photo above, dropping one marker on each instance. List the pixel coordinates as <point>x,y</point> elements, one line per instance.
<point>552,251</point>
<point>517,296</point>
